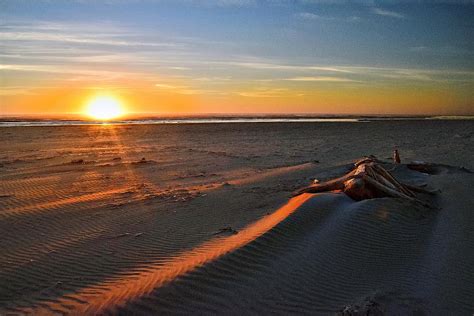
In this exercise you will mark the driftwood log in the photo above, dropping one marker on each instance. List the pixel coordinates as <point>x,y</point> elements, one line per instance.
<point>368,180</point>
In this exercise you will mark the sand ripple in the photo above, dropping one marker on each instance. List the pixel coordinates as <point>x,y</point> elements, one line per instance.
<point>118,236</point>
<point>316,254</point>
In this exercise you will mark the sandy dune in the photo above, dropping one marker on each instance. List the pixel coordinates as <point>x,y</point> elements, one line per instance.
<point>90,226</point>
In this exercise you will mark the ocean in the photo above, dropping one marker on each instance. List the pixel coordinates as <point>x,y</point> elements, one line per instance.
<point>28,121</point>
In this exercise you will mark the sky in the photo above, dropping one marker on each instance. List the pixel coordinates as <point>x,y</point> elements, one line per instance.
<point>238,56</point>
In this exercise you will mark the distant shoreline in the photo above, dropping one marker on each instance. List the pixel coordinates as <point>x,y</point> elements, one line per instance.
<point>31,122</point>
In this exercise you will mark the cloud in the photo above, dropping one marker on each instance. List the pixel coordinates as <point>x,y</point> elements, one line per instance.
<point>446,50</point>
<point>413,74</point>
<point>268,93</point>
<point>208,3</point>
<point>168,86</point>
<point>79,72</point>
<point>285,67</point>
<point>50,46</point>
<point>212,79</point>
<point>239,3</point>
<point>308,16</point>
<point>70,38</point>
<point>276,71</point>
<point>388,13</point>
<point>245,3</point>
<point>188,90</point>
<point>179,68</point>
<point>305,73</point>
<point>112,52</point>
<point>321,79</point>
<point>15,90</point>
<point>418,48</point>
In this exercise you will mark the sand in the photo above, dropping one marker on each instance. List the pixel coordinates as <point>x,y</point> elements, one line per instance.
<point>205,222</point>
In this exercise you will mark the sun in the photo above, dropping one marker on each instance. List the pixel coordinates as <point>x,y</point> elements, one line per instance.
<point>104,108</point>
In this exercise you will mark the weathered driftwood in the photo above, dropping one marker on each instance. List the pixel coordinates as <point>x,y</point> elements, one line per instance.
<point>368,180</point>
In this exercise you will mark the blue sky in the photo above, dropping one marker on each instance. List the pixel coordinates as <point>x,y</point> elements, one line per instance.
<point>248,48</point>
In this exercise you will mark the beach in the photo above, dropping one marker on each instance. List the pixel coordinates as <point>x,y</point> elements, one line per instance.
<point>199,218</point>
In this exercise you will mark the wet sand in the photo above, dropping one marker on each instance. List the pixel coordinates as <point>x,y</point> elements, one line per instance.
<point>182,218</point>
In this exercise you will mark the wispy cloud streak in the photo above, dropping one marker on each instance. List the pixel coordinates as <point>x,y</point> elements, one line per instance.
<point>388,13</point>
<point>320,79</point>
<point>47,37</point>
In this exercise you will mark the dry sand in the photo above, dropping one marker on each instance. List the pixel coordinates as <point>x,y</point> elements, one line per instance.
<point>88,226</point>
